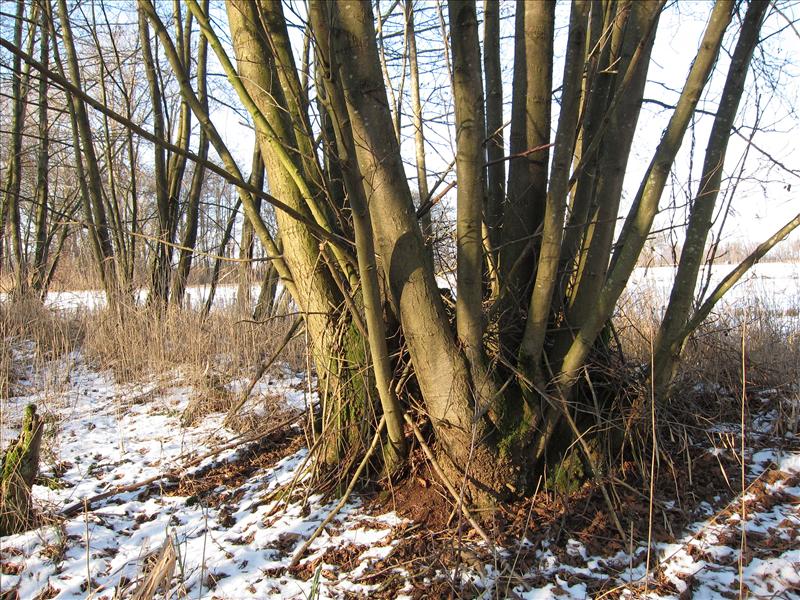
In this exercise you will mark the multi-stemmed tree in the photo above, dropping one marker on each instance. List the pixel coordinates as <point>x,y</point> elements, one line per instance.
<point>539,271</point>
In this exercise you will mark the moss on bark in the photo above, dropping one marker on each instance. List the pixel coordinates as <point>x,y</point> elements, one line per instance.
<point>18,470</point>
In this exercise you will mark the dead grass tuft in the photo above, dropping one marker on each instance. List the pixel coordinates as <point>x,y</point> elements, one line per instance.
<point>206,351</point>
<point>32,333</point>
<point>712,357</point>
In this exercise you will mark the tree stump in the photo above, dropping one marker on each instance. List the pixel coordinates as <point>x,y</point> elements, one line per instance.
<point>18,470</point>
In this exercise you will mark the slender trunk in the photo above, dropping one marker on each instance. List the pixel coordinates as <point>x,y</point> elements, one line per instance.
<point>267,296</point>
<point>645,205</point>
<point>227,235</point>
<point>606,23</point>
<point>527,170</point>
<point>177,163</point>
<point>92,187</point>
<point>669,341</point>
<point>9,212</point>
<point>247,240</point>
<point>621,118</point>
<point>541,299</point>
<point>247,193</point>
<point>159,264</point>
<point>471,193</point>
<point>418,123</point>
<point>42,167</point>
<point>495,147</point>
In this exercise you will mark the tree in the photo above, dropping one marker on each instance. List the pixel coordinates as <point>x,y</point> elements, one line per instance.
<point>502,387</point>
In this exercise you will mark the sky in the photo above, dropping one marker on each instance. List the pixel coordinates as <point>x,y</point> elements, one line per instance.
<point>766,196</point>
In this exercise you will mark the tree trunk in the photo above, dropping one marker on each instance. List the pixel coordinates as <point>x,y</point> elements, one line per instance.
<point>670,339</point>
<point>18,471</point>
<point>495,146</point>
<point>39,269</point>
<point>527,169</point>
<point>9,211</point>
<point>440,366</point>
<point>418,123</point>
<point>88,167</point>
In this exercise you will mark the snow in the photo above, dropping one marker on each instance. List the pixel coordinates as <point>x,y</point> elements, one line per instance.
<point>770,287</point>
<point>109,435</point>
<point>104,434</point>
<point>196,295</point>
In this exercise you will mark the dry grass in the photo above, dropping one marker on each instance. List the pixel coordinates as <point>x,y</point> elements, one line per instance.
<point>205,353</point>
<point>221,346</point>
<point>33,333</point>
<point>712,356</point>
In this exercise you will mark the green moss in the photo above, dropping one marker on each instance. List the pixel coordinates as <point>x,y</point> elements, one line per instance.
<point>514,437</point>
<point>20,465</point>
<point>568,475</point>
<point>350,398</point>
<point>517,418</point>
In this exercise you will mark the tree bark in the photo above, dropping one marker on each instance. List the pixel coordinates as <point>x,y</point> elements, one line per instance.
<point>495,146</point>
<point>40,257</point>
<point>645,205</point>
<point>527,170</point>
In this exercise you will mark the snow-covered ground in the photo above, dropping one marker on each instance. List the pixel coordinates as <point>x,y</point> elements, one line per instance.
<point>230,539</point>
<point>101,435</point>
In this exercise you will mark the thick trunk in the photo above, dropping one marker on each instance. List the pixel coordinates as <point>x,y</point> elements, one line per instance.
<point>338,348</point>
<point>439,365</point>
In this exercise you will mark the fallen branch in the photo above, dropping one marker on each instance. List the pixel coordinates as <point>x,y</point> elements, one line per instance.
<point>172,474</point>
